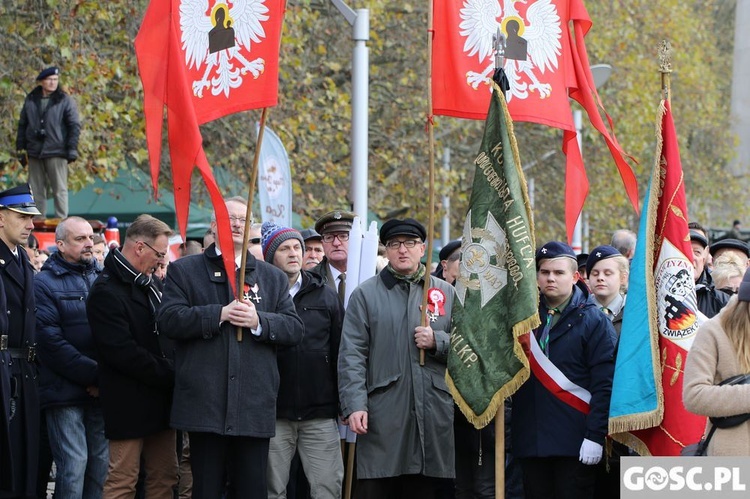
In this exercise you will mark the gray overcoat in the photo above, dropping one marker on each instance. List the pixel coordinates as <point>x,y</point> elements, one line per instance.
<point>410,411</point>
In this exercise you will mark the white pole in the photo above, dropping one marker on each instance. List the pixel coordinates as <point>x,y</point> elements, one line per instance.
<point>360,22</point>
<point>446,237</point>
<point>578,122</point>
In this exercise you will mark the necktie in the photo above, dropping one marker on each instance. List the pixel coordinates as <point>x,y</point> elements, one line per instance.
<point>342,286</point>
<point>544,337</point>
<point>607,312</point>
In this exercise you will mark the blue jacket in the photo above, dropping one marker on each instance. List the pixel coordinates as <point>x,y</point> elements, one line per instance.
<point>66,347</point>
<point>581,345</point>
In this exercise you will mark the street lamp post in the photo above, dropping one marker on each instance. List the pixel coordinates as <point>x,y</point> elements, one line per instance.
<point>601,73</point>
<point>360,22</point>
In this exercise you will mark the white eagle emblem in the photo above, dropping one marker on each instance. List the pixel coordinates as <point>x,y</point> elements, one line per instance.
<point>218,37</point>
<point>532,44</point>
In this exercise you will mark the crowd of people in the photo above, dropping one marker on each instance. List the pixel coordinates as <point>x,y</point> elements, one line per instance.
<point>141,377</point>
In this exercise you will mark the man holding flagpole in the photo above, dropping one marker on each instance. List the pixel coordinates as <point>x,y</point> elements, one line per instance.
<point>562,409</point>
<point>225,389</point>
<point>402,412</point>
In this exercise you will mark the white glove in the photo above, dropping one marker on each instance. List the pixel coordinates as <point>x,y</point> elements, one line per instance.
<point>591,452</point>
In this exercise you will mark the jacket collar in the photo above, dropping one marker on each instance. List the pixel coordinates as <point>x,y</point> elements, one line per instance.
<point>57,264</point>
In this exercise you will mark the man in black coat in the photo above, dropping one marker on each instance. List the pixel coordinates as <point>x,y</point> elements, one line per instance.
<point>19,402</point>
<point>47,137</point>
<point>136,367</point>
<point>308,401</point>
<point>710,299</point>
<point>225,390</point>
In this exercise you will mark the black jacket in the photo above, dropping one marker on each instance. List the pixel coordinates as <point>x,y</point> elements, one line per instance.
<point>136,367</point>
<point>66,347</point>
<point>59,121</point>
<point>710,299</point>
<point>309,385</point>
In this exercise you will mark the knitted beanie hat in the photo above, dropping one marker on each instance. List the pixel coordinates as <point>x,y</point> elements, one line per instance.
<point>271,237</point>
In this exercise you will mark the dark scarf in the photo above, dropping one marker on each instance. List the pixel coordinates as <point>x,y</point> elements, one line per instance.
<point>138,279</point>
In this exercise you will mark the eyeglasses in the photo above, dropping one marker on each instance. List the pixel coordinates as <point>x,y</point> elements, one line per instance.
<point>408,244</point>
<point>158,253</point>
<point>239,220</point>
<point>328,238</point>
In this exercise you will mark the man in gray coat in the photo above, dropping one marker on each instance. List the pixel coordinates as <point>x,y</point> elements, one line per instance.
<point>402,412</point>
<point>225,390</point>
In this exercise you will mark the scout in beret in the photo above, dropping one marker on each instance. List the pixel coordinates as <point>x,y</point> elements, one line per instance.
<point>608,276</point>
<point>574,342</point>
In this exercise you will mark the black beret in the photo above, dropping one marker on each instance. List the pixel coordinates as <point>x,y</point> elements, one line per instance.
<point>19,199</point>
<point>47,72</point>
<point>743,293</point>
<point>734,244</point>
<point>308,234</point>
<point>581,259</point>
<point>554,249</point>
<point>448,249</point>
<point>335,221</point>
<point>405,227</point>
<point>598,254</point>
<point>698,237</point>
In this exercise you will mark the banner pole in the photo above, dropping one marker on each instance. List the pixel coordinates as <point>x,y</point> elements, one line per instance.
<point>500,452</point>
<point>431,218</point>
<point>665,68</point>
<point>249,211</point>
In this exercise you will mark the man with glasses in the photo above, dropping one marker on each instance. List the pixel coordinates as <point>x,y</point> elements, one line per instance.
<point>334,228</point>
<point>225,395</point>
<point>136,367</point>
<point>402,412</point>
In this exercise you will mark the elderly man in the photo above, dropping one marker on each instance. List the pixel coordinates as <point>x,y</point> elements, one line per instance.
<point>19,403</point>
<point>47,136</point>
<point>69,376</point>
<point>710,299</point>
<point>313,249</point>
<point>334,228</point>
<point>403,413</point>
<point>225,393</point>
<point>136,370</point>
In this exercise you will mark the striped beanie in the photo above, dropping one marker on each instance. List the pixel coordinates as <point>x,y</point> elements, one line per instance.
<point>271,237</point>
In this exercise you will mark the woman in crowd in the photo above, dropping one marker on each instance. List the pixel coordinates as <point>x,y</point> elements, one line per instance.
<point>607,271</point>
<point>728,272</point>
<point>721,349</point>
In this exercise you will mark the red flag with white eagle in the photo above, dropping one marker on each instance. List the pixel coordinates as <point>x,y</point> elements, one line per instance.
<point>204,59</point>
<point>546,63</point>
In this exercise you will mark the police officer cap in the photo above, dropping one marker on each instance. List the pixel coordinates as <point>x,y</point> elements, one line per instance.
<point>734,244</point>
<point>19,199</point>
<point>698,237</point>
<point>405,227</point>
<point>335,221</point>
<point>448,249</point>
<point>47,72</point>
<point>598,254</point>
<point>554,249</point>
<point>310,234</point>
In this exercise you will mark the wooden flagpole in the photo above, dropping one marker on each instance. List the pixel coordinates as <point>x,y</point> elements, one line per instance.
<point>249,211</point>
<point>665,68</point>
<point>431,133</point>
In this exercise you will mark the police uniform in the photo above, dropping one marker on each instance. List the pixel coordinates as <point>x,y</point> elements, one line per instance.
<point>19,402</point>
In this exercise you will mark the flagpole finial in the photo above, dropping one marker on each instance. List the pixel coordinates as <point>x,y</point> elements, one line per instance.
<point>665,68</point>
<point>498,42</point>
